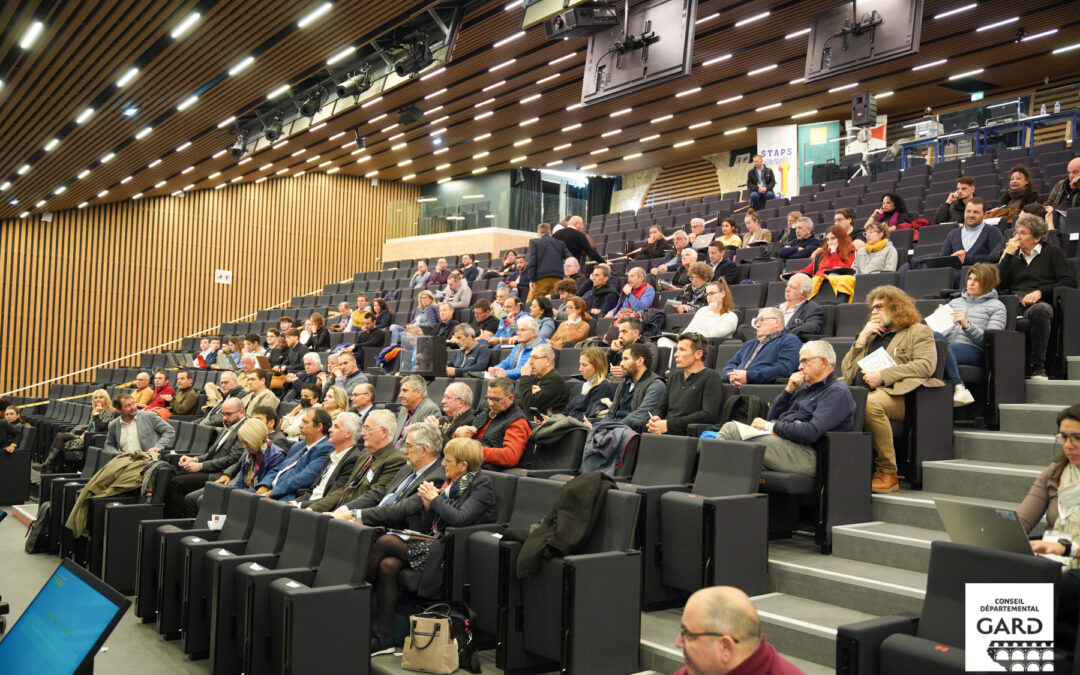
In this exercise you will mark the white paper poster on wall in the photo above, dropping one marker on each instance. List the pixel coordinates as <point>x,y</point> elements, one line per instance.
<point>878,141</point>
<point>779,147</point>
<point>223,276</point>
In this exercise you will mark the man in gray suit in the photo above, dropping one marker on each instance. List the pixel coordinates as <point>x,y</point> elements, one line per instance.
<point>423,450</point>
<point>138,429</point>
<point>415,407</point>
<point>196,471</point>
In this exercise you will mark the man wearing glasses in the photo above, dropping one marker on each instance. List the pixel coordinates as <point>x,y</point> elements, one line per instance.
<point>540,390</point>
<point>505,431</point>
<point>771,355</point>
<point>721,633</point>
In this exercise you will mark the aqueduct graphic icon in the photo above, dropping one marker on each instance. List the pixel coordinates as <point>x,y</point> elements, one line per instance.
<point>1023,656</point>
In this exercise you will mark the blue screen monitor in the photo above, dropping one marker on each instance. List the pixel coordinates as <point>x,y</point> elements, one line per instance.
<point>64,627</point>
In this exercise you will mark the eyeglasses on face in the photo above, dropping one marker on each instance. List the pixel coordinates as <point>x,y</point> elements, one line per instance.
<point>689,635</point>
<point>1067,438</point>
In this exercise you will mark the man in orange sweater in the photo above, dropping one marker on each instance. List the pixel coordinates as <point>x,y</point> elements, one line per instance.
<point>505,431</point>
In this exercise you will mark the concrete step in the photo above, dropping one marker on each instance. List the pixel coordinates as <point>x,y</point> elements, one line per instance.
<point>796,568</point>
<point>1060,392</point>
<point>975,478</point>
<point>1029,417</point>
<point>1074,367</point>
<point>803,628</point>
<point>875,542</point>
<point>659,653</point>
<point>916,508</point>
<point>1006,448</point>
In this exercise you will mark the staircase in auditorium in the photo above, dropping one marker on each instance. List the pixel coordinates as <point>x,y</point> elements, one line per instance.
<point>879,567</point>
<point>683,181</point>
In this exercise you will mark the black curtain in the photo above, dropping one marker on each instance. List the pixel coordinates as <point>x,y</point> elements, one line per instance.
<point>526,199</point>
<point>598,196</point>
<point>577,193</point>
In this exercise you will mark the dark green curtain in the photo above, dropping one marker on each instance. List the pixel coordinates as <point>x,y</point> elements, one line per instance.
<point>598,194</point>
<point>526,199</point>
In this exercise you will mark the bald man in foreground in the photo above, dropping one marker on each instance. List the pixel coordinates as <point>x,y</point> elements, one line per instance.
<point>721,633</point>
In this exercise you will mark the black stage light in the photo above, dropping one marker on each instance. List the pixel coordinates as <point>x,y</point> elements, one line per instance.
<point>418,58</point>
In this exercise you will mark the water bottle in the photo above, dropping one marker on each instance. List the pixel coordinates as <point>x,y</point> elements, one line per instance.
<point>1042,110</point>
<point>1057,107</point>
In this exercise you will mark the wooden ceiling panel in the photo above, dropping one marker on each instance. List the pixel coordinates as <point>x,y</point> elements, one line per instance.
<point>87,45</point>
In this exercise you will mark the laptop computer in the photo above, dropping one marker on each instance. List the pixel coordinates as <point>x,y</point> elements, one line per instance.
<point>984,526</point>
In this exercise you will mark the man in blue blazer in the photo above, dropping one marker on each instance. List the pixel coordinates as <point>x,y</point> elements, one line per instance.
<point>973,242</point>
<point>773,354</point>
<point>304,461</point>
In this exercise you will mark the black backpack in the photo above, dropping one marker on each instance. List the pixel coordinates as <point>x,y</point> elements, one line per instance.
<point>37,535</point>
<point>744,408</point>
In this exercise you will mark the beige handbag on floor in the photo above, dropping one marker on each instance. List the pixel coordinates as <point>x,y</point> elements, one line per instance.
<point>429,647</point>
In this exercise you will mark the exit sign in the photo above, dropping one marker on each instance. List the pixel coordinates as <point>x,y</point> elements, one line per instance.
<point>976,96</point>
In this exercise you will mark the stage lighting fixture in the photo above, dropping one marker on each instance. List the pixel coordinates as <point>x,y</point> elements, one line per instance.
<point>418,57</point>
<point>239,148</point>
<point>357,84</point>
<point>272,129</point>
<point>313,103</point>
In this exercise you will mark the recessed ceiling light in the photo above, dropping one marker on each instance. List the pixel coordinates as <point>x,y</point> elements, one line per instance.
<point>314,14</point>
<point>620,113</point>
<point>440,120</point>
<point>226,122</point>
<point>405,162</point>
<point>314,158</point>
<point>519,158</point>
<point>1036,36</point>
<point>960,76</point>
<point>494,86</point>
<point>531,120</point>
<point>483,103</point>
<point>183,146</point>
<point>371,174</point>
<point>266,166</point>
<point>767,107</point>
<point>632,156</point>
<point>154,163</point>
<point>524,141</point>
<point>957,10</point>
<point>687,92</point>
<point>658,120</point>
<point>52,144</point>
<point>729,99</point>
<point>444,180</point>
<point>125,179</point>
<point>23,169</point>
<point>716,60</point>
<point>395,148</point>
<point>751,19</point>
<point>127,77</point>
<point>244,161</point>
<point>572,107</point>
<point>482,137</point>
<point>39,204</point>
<point>343,54</point>
<point>82,205</point>
<point>159,184</point>
<point>481,169</point>
<point>184,26</point>
<point>395,136</point>
<point>31,35</point>
<point>278,92</point>
<point>549,78</point>
<point>371,102</point>
<point>562,58</point>
<point>236,180</point>
<point>502,65</point>
<point>843,87</point>
<point>188,170</point>
<point>763,69</point>
<point>108,158</point>
<point>84,115</point>
<point>599,151</point>
<point>102,193</point>
<point>797,80</point>
<point>438,132</point>
<point>699,125</point>
<point>557,162</point>
<point>649,138</point>
<point>739,130</point>
<point>930,65</point>
<point>187,103</point>
<point>213,175</point>
<point>484,115</point>
<point>681,144</point>
<point>481,155</point>
<point>707,18</point>
<point>564,146</point>
<point>797,33</point>
<point>530,99</point>
<point>223,185</point>
<point>588,166</point>
<point>804,114</point>
<point>508,39</point>
<point>441,151</point>
<point>997,24</point>
<point>442,166</point>
<point>136,196</point>
<point>1069,48</point>
<point>259,180</point>
<point>5,185</point>
<point>613,132</point>
<point>576,125</point>
<point>60,190</point>
<point>430,112</point>
<point>427,76</point>
<point>242,66</point>
<point>884,94</point>
<point>83,174</point>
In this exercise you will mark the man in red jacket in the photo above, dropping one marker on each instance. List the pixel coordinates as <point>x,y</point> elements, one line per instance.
<point>721,633</point>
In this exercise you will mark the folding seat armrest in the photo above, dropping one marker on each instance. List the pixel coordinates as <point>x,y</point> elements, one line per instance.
<point>694,430</point>
<point>654,489</point>
<point>846,458</point>
<point>456,561</point>
<point>547,473</point>
<point>858,645</point>
<point>236,558</point>
<point>234,546</point>
<point>614,623</point>
<point>1067,313</point>
<point>263,575</point>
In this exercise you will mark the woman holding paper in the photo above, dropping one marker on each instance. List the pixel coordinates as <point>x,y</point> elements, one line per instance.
<point>963,322</point>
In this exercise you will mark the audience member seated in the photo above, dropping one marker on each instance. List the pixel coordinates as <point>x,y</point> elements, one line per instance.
<point>637,294</point>
<point>185,400</point>
<point>878,253</point>
<point>698,238</point>
<point>11,427</point>
<point>576,326</point>
<point>196,470</point>
<point>693,395</point>
<point>629,330</point>
<point>721,633</point>
<point>541,391</point>
<point>205,353</point>
<point>656,246</point>
<point>260,395</point>
<point>802,317</point>
<point>310,395</point>
<point>692,296</point>
<point>484,323</point>
<point>320,337</point>
<point>527,338</point>
<point>1031,269</point>
<point>952,211</point>
<point>1020,192</point>
<point>723,269</point>
<point>803,243</point>
<point>276,349</point>
<point>509,264</point>
<point>760,182</point>
<point>259,458</point>
<point>504,433</point>
<point>338,465</point>
<point>467,498</point>
<point>384,318</point>
<point>895,326</point>
<point>420,276</point>
<point>415,406</point>
<point>469,269</point>
<point>305,459</point>
<point>540,309</point>
<point>457,410</point>
<point>362,305</point>
<point>600,292</point>
<point>508,325</point>
<point>755,233</point>
<point>565,289</point>
<point>717,319</point>
<point>497,309</point>
<point>294,353</point>
<point>789,233</point>
<point>228,387</point>
<point>688,257</point>
<point>439,275</point>
<point>893,212</point>
<point>472,355</point>
<point>335,402</point>
<point>838,252</point>
<point>229,356</point>
<point>369,335</point>
<point>1064,195</point>
<point>373,470</point>
<point>101,414</point>
<point>457,292</point>
<point>579,243</point>
<point>729,233</point>
<point>517,281</point>
<point>447,322</point>
<point>813,403</point>
<point>974,242</point>
<point>673,259</point>
<point>143,393</point>
<point>546,256</point>
<point>362,400</point>
<point>640,391</point>
<point>845,218</point>
<point>571,272</point>
<point>976,311</point>
<point>344,318</point>
<point>586,398</point>
<point>253,346</point>
<point>312,370</point>
<point>771,355</point>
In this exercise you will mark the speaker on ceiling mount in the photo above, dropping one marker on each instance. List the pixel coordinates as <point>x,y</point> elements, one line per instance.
<point>409,114</point>
<point>863,110</point>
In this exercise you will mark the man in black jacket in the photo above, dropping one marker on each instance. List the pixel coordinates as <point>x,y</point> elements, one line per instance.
<point>803,318</point>
<point>599,292</point>
<point>722,268</point>
<point>540,389</point>
<point>760,182</point>
<point>577,242</point>
<point>952,211</point>
<point>546,255</point>
<point>472,356</point>
<point>1031,269</point>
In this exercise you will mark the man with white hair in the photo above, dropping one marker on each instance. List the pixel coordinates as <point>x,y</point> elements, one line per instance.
<point>814,403</point>
<point>571,269</point>
<point>540,389</point>
<point>310,375</point>
<point>230,388</point>
<point>698,238</point>
<point>373,470</point>
<point>687,258</point>
<point>457,403</point>
<point>339,462</point>
<point>439,275</point>
<point>527,338</point>
<point>804,243</point>
<point>803,318</point>
<point>577,242</point>
<point>771,355</point>
<point>344,317</point>
<point>636,293</point>
<point>680,241</point>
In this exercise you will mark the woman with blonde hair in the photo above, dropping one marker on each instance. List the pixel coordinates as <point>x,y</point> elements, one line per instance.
<point>586,398</point>
<point>754,231</point>
<point>335,402</point>
<point>101,413</point>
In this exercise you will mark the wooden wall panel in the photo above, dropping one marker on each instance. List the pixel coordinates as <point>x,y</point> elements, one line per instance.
<point>682,181</point>
<point>104,282</point>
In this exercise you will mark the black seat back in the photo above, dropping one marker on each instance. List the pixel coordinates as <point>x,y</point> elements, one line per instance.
<point>240,515</point>
<point>727,468</point>
<point>346,543</point>
<point>305,541</point>
<point>533,498</point>
<point>271,525</point>
<point>564,453</point>
<point>90,463</point>
<point>615,529</point>
<point>215,499</point>
<point>185,432</point>
<point>665,460</point>
<point>505,492</point>
<point>202,439</point>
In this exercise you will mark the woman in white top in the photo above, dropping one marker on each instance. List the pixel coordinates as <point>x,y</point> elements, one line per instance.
<point>716,319</point>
